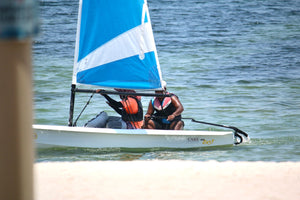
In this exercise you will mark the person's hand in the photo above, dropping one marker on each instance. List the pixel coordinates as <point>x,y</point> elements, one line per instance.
<point>147,117</point>
<point>99,91</point>
<point>171,117</point>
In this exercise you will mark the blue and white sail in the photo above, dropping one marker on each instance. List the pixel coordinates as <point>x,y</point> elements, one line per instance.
<point>115,45</point>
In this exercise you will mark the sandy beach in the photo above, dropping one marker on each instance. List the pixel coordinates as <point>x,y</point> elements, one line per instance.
<point>167,180</point>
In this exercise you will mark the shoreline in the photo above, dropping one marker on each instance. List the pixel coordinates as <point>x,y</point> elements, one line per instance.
<point>172,179</point>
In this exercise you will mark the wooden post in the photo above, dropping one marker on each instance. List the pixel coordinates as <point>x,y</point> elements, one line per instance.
<point>18,24</point>
<point>16,135</point>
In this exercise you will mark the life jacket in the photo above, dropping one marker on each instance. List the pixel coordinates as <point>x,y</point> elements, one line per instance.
<point>165,108</point>
<point>132,109</point>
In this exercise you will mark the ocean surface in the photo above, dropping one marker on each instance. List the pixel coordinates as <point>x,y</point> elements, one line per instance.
<point>233,62</point>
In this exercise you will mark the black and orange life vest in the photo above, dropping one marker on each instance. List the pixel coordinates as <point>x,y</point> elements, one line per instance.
<point>132,109</point>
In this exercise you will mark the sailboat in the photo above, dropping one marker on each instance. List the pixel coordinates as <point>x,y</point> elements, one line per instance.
<point>115,48</point>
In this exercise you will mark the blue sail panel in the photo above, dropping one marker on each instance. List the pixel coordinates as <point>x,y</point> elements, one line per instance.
<point>102,21</point>
<point>144,72</point>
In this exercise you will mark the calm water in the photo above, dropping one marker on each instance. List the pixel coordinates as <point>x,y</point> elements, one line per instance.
<point>230,62</point>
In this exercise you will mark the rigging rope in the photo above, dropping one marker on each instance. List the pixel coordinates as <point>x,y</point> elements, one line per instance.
<point>87,103</point>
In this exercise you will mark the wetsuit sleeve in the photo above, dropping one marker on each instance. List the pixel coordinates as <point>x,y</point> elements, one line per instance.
<point>117,106</point>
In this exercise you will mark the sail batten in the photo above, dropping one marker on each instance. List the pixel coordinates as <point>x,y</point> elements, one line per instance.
<point>115,46</point>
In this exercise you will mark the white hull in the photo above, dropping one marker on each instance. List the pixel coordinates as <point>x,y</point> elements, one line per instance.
<point>46,135</point>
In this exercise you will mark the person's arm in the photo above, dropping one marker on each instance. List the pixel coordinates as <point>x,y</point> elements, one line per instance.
<point>116,105</point>
<point>178,106</point>
<point>112,102</point>
<point>150,111</point>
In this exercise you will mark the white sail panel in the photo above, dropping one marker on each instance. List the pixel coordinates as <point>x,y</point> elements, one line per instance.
<point>126,45</point>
